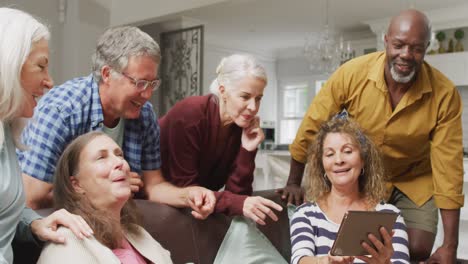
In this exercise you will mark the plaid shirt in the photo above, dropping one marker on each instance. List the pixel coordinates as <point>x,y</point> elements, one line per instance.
<point>72,109</point>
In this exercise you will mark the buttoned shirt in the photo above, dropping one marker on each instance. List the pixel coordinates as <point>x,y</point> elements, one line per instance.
<point>72,109</point>
<point>420,140</point>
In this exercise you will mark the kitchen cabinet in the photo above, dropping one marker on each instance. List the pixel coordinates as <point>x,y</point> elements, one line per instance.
<point>271,169</point>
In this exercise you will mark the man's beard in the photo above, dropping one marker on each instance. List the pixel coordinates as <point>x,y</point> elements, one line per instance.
<point>399,78</point>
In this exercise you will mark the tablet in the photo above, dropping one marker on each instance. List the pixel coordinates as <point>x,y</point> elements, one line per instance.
<point>354,229</point>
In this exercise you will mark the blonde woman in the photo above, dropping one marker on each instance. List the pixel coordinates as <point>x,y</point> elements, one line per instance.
<point>346,174</point>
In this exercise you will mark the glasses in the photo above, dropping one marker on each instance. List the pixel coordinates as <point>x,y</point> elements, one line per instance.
<point>141,85</point>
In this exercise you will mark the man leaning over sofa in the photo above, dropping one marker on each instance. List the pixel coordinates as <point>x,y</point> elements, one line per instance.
<point>114,99</point>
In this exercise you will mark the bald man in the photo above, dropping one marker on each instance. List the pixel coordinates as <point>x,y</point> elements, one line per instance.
<point>413,114</point>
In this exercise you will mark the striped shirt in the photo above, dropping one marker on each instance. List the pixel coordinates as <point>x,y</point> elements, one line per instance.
<point>72,109</point>
<point>313,234</point>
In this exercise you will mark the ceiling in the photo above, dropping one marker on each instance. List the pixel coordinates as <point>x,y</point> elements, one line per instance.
<point>269,26</point>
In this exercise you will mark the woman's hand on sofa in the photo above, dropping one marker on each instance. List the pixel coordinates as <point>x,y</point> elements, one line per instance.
<point>201,200</point>
<point>46,228</point>
<point>258,208</point>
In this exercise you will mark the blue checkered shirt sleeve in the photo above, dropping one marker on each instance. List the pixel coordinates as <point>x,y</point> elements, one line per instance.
<point>151,155</point>
<point>45,137</point>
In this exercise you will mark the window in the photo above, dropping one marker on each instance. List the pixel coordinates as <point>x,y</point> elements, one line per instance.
<point>319,85</point>
<point>295,100</point>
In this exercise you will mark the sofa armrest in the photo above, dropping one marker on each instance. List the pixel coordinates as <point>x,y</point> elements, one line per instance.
<point>188,239</point>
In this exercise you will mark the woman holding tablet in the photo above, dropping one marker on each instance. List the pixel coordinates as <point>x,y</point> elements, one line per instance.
<point>345,174</point>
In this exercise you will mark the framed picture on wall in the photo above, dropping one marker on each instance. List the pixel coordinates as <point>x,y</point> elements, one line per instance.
<point>181,65</point>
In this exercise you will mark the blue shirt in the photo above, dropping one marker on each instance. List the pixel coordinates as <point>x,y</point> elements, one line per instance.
<point>72,109</point>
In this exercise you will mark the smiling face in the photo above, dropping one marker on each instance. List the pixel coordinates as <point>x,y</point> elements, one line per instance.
<point>405,45</point>
<point>243,102</point>
<point>35,76</point>
<point>120,97</point>
<point>103,174</point>
<point>342,160</point>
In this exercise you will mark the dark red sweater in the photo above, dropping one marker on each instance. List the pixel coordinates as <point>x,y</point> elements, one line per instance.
<point>189,142</point>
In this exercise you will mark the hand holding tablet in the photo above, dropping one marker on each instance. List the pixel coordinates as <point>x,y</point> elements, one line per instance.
<point>354,230</point>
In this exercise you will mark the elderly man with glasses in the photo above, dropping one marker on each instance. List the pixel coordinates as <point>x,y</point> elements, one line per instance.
<point>114,99</point>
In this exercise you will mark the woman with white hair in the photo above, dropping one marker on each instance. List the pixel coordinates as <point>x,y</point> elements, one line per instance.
<point>212,140</point>
<point>24,58</point>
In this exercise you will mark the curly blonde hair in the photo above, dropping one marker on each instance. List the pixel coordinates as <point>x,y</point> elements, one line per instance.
<point>371,182</point>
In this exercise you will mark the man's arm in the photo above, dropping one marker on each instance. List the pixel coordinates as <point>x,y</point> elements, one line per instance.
<point>157,189</point>
<point>38,193</point>
<point>293,191</point>
<point>447,173</point>
<point>447,253</point>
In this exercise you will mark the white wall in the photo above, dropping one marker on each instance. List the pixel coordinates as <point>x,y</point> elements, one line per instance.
<point>85,21</point>
<point>147,11</point>
<point>73,40</point>
<point>47,12</point>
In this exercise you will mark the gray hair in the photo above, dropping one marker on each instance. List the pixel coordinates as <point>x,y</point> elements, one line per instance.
<point>234,68</point>
<point>19,31</point>
<point>118,44</point>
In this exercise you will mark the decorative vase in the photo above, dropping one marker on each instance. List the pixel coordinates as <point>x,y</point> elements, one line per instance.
<point>441,47</point>
<point>440,36</point>
<point>459,34</point>
<point>459,46</point>
<point>450,46</point>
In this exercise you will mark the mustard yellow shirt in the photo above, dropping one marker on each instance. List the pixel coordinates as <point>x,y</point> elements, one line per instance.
<point>420,140</point>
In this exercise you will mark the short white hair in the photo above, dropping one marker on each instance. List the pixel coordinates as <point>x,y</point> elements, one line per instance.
<point>19,31</point>
<point>233,69</point>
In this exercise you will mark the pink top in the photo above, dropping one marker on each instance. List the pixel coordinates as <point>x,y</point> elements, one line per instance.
<point>128,255</point>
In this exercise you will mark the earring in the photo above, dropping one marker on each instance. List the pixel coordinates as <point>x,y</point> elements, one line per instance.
<point>362,171</point>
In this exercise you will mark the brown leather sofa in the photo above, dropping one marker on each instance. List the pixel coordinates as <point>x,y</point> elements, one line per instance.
<point>188,239</point>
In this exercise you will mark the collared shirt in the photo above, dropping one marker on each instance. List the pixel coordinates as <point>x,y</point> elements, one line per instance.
<point>420,140</point>
<point>72,109</point>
